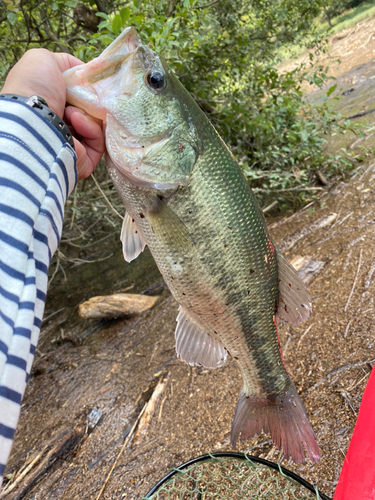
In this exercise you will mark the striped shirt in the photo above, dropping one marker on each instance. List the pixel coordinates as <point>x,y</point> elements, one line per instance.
<point>37,173</point>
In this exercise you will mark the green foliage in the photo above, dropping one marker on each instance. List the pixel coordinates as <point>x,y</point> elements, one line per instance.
<point>333,8</point>
<point>227,61</point>
<point>224,53</point>
<point>348,18</point>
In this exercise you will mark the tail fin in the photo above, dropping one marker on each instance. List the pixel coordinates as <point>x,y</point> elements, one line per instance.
<point>284,418</point>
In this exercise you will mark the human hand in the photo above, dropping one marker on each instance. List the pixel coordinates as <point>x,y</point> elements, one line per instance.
<point>39,72</point>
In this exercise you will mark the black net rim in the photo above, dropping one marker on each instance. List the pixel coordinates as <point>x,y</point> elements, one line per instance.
<point>239,456</point>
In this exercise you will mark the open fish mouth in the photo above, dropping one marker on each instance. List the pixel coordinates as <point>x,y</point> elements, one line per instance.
<point>115,87</point>
<point>127,42</point>
<point>85,82</point>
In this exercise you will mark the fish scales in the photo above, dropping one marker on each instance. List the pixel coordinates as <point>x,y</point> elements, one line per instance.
<point>187,199</point>
<point>235,229</point>
<point>234,250</point>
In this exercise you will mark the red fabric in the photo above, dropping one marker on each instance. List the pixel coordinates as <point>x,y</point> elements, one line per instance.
<point>357,478</point>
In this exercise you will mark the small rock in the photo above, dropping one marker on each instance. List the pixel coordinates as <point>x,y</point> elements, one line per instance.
<point>94,418</point>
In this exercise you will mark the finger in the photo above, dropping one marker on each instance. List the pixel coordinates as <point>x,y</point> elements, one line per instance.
<point>66,61</point>
<point>88,128</point>
<point>69,110</point>
<point>91,146</point>
<point>87,158</point>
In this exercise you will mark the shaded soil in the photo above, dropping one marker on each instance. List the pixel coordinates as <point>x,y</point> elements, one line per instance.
<point>83,366</point>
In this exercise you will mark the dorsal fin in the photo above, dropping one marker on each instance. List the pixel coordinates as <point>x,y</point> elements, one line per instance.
<point>195,346</point>
<point>294,304</point>
<point>132,240</point>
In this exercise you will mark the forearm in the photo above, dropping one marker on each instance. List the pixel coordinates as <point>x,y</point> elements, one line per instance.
<point>37,173</point>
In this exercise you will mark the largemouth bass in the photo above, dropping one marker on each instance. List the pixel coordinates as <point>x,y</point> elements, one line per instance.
<point>187,199</point>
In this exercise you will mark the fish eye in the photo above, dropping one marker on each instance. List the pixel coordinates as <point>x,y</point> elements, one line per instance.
<point>156,80</point>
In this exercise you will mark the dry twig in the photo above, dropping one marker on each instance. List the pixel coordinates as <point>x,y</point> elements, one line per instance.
<point>347,328</point>
<point>369,276</point>
<point>359,382</point>
<point>339,370</point>
<point>304,334</point>
<point>287,344</point>
<point>108,203</point>
<point>270,207</point>
<point>11,486</point>
<point>144,423</point>
<point>354,242</point>
<point>355,280</point>
<point>55,271</point>
<point>161,406</point>
<point>348,401</point>
<point>295,189</point>
<point>52,314</point>
<point>283,221</point>
<point>74,207</point>
<point>259,445</point>
<point>122,449</point>
<point>344,219</point>
<point>290,241</point>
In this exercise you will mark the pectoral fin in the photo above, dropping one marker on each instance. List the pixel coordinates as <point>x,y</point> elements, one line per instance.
<point>133,242</point>
<point>294,304</point>
<point>167,225</point>
<point>195,346</point>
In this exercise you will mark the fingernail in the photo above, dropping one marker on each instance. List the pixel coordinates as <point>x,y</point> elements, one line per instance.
<point>83,115</point>
<point>78,110</point>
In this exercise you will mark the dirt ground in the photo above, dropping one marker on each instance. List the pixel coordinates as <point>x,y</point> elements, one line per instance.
<point>352,47</point>
<point>90,380</point>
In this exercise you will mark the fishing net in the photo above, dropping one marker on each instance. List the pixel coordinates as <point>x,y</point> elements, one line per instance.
<point>233,476</point>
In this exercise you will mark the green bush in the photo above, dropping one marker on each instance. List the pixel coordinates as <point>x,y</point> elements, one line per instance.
<point>224,52</point>
<point>333,8</point>
<point>227,61</point>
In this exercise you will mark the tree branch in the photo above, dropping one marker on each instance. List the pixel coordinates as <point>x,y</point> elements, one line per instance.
<point>101,6</point>
<point>54,38</point>
<point>207,5</point>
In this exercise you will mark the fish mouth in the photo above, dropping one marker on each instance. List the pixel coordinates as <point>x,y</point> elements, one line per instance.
<point>83,81</point>
<point>125,43</point>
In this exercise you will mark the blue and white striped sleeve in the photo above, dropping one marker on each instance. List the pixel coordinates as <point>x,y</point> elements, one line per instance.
<point>37,173</point>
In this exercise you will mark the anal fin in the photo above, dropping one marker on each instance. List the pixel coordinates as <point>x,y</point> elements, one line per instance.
<point>195,346</point>
<point>133,242</point>
<point>294,304</point>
